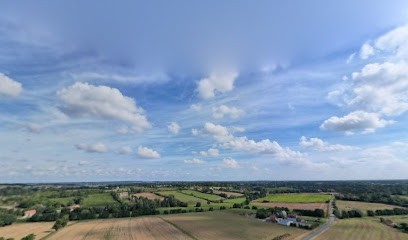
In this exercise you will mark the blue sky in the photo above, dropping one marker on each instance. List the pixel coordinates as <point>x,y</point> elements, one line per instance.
<point>203,90</point>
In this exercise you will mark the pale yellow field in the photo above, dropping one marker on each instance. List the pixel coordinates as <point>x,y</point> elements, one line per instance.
<point>361,229</point>
<point>229,226</point>
<point>20,230</point>
<point>148,195</point>
<point>363,206</point>
<point>143,228</point>
<point>229,193</point>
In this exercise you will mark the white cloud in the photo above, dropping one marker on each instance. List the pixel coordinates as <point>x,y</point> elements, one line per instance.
<point>9,87</point>
<point>145,152</point>
<point>33,127</point>
<point>196,107</point>
<point>194,161</point>
<point>320,145</point>
<point>194,132</point>
<point>230,163</point>
<point>266,146</point>
<point>366,51</point>
<point>212,152</point>
<point>355,121</point>
<point>238,129</point>
<point>83,99</point>
<point>124,150</point>
<point>92,148</point>
<point>158,77</point>
<point>223,110</point>
<point>173,127</point>
<point>350,58</point>
<point>216,82</point>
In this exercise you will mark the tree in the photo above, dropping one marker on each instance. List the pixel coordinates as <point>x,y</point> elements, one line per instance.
<point>198,204</point>
<point>60,223</point>
<point>29,237</point>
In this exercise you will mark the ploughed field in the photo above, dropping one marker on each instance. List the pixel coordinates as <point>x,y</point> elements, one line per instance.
<point>361,229</point>
<point>20,230</point>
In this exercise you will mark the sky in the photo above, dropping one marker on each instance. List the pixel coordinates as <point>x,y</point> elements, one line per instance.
<point>203,90</point>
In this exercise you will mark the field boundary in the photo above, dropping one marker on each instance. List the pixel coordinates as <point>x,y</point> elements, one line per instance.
<point>179,228</point>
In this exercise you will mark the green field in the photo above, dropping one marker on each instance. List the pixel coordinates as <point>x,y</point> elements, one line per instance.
<point>98,199</point>
<point>183,197</point>
<point>361,229</point>
<point>210,197</point>
<point>235,200</point>
<point>295,198</point>
<point>363,206</point>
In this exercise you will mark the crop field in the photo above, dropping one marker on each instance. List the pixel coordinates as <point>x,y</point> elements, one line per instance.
<point>396,219</point>
<point>98,199</point>
<point>235,200</point>
<point>306,206</point>
<point>210,197</point>
<point>144,228</point>
<point>363,206</point>
<point>229,226</point>
<point>20,230</point>
<point>184,197</point>
<point>362,229</point>
<point>296,198</point>
<point>229,194</point>
<point>148,195</point>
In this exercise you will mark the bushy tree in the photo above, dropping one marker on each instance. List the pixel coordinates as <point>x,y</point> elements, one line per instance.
<point>29,237</point>
<point>60,223</point>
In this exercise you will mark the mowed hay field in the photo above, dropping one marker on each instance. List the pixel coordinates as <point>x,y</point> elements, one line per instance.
<point>235,194</point>
<point>363,206</point>
<point>229,226</point>
<point>307,206</point>
<point>20,230</point>
<point>148,195</point>
<point>143,228</point>
<point>361,229</point>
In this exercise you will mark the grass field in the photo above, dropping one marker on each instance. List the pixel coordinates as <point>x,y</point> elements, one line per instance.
<point>363,206</point>
<point>361,229</point>
<point>144,228</point>
<point>307,206</point>
<point>235,200</point>
<point>229,193</point>
<point>20,230</point>
<point>296,198</point>
<point>98,199</point>
<point>229,226</point>
<point>184,197</point>
<point>210,197</point>
<point>396,219</point>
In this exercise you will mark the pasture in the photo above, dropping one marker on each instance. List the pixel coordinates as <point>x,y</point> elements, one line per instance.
<point>148,195</point>
<point>235,200</point>
<point>306,206</point>
<point>363,206</point>
<point>229,226</point>
<point>362,229</point>
<point>20,230</point>
<point>184,197</point>
<point>229,194</point>
<point>295,198</point>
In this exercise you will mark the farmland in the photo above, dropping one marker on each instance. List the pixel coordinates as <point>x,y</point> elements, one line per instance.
<point>307,206</point>
<point>229,194</point>
<point>229,226</point>
<point>362,229</point>
<point>148,195</point>
<point>235,200</point>
<point>98,199</point>
<point>144,228</point>
<point>295,198</point>
<point>363,206</point>
<point>206,196</point>
<point>183,197</point>
<point>20,230</point>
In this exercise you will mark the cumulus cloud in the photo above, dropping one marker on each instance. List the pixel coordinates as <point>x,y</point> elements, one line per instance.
<point>379,89</point>
<point>320,145</point>
<point>83,99</point>
<point>266,146</point>
<point>173,127</point>
<point>196,107</point>
<point>212,152</point>
<point>92,148</point>
<point>145,152</point>
<point>124,150</point>
<point>195,132</point>
<point>223,110</point>
<point>194,161</point>
<point>355,121</point>
<point>216,82</point>
<point>230,163</point>
<point>9,87</point>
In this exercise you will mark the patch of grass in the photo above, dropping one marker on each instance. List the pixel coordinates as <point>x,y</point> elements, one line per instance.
<point>363,206</point>
<point>296,198</point>
<point>191,200</point>
<point>210,197</point>
<point>235,200</point>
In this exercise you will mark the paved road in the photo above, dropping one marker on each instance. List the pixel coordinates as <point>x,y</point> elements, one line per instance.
<point>324,227</point>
